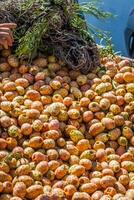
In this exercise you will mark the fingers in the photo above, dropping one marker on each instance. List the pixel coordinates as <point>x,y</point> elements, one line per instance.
<point>5,45</point>
<point>8,25</point>
<point>6,36</point>
<point>5,39</point>
<point>3,42</point>
<point>7,30</point>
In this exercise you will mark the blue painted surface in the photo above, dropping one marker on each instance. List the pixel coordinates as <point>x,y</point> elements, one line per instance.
<point>120,8</point>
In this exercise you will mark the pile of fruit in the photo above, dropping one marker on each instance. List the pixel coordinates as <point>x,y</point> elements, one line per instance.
<point>65,135</point>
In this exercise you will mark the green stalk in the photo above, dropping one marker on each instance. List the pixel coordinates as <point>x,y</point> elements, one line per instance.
<point>29,43</point>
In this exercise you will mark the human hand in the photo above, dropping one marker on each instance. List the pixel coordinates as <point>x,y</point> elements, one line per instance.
<point>6,36</point>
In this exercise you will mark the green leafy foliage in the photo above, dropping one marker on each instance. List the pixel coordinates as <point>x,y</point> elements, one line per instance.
<point>30,42</point>
<point>40,21</point>
<point>92,8</point>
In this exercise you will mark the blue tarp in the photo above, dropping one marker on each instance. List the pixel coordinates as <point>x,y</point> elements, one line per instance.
<point>120,8</point>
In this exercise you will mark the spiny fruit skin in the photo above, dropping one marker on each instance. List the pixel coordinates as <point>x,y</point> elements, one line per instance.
<point>63,134</point>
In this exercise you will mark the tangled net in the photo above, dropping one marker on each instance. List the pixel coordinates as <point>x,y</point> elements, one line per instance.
<point>66,41</point>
